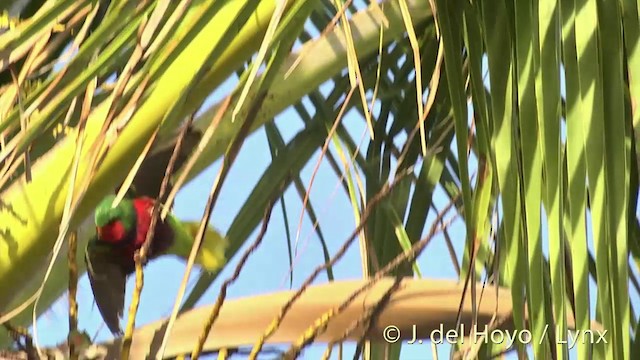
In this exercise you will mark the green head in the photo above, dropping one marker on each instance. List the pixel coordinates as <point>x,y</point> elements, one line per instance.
<point>114,222</point>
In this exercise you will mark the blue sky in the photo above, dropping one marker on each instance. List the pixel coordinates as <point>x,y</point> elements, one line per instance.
<point>268,269</point>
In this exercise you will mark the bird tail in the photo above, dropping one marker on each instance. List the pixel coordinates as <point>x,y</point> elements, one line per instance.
<point>211,255</point>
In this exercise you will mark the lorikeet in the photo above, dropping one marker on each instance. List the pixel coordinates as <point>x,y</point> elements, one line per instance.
<point>122,230</point>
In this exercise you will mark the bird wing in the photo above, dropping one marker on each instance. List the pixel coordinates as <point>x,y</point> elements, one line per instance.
<point>108,280</point>
<point>211,255</point>
<point>148,179</point>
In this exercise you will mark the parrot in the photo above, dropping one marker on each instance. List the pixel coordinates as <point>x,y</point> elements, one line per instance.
<point>122,229</point>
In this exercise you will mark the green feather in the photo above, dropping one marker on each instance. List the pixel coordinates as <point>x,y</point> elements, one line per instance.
<point>125,212</point>
<point>211,255</point>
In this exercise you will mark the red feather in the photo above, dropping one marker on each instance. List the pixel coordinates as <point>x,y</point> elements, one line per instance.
<point>113,232</point>
<point>144,208</point>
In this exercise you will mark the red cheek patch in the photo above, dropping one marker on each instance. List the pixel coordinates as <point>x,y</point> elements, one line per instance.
<point>112,232</point>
